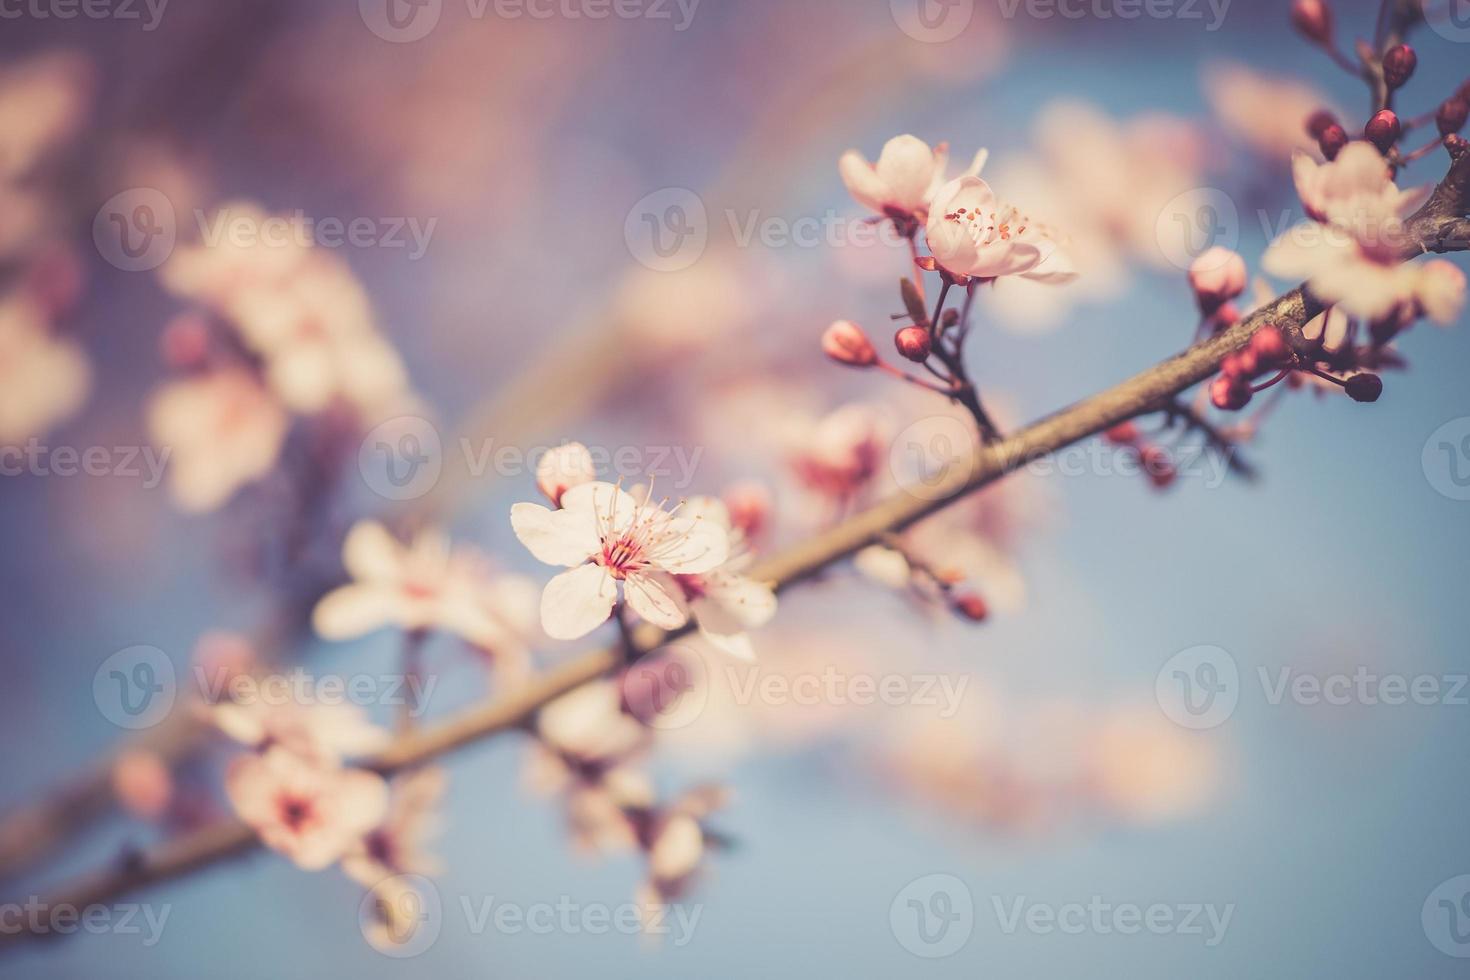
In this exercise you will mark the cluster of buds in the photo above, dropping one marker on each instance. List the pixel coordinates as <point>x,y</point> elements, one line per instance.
<point>1217,276</point>
<point>1267,351</point>
<point>1154,460</point>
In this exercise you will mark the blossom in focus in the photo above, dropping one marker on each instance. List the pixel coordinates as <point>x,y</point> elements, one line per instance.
<point>725,602</point>
<point>970,233</point>
<point>1350,252</point>
<point>311,813</point>
<point>323,734</point>
<point>43,379</point>
<point>223,430</point>
<point>423,585</point>
<point>904,180</point>
<point>603,535</point>
<point>397,846</point>
<point>568,465</point>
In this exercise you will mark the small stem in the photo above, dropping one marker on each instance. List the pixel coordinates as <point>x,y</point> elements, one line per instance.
<point>411,662</point>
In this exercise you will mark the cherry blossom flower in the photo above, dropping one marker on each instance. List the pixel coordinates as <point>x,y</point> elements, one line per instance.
<point>1349,253</point>
<point>43,379</point>
<point>311,813</point>
<point>970,233</point>
<point>568,465</point>
<point>397,845</point>
<point>424,585</point>
<point>723,601</point>
<point>43,104</point>
<point>323,734</point>
<point>675,841</point>
<point>605,536</point>
<point>840,454</point>
<point>903,182</point>
<point>223,431</point>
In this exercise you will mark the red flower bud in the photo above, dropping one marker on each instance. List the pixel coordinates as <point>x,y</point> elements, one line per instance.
<point>1398,64</point>
<point>1319,122</point>
<point>1230,393</point>
<point>845,342</point>
<point>1122,434</point>
<point>1313,18</point>
<point>972,607</point>
<point>913,343</point>
<point>1158,465</point>
<point>1270,348</point>
<point>185,342</point>
<point>1364,387</point>
<point>1383,129</point>
<point>1451,115</point>
<point>1332,140</point>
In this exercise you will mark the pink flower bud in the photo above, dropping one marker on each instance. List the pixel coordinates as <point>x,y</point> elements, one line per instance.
<point>1313,18</point>
<point>1451,115</point>
<point>971,607</point>
<point>1383,129</point>
<point>1332,140</point>
<point>1319,122</point>
<point>1229,393</point>
<point>1158,465</point>
<point>1399,63</point>
<point>1364,387</point>
<point>142,784</point>
<point>1123,434</point>
<point>568,465</point>
<point>1270,348</point>
<point>1218,275</point>
<point>913,343</point>
<point>845,342</point>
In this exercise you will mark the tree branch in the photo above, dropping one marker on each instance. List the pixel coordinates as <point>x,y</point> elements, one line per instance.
<point>1437,226</point>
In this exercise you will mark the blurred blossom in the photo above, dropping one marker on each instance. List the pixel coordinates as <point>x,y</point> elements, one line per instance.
<point>44,379</point>
<point>322,734</point>
<point>311,813</point>
<point>426,585</point>
<point>1266,112</point>
<point>44,101</point>
<point>398,845</point>
<point>1145,768</point>
<point>222,429</point>
<point>142,783</point>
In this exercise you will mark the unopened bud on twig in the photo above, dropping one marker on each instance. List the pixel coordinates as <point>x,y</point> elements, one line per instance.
<point>1399,63</point>
<point>972,607</point>
<point>1230,392</point>
<point>1364,387</point>
<point>1332,140</point>
<point>845,342</point>
<point>1383,129</point>
<point>1313,18</point>
<point>913,343</point>
<point>1451,115</point>
<point>1270,348</point>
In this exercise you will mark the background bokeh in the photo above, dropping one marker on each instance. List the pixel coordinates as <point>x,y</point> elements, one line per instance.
<point>529,141</point>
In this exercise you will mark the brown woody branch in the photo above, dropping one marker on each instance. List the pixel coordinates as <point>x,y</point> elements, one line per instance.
<point>1439,226</point>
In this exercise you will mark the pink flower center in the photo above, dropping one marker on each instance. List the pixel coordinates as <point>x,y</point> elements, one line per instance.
<point>622,555</point>
<point>296,812</point>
